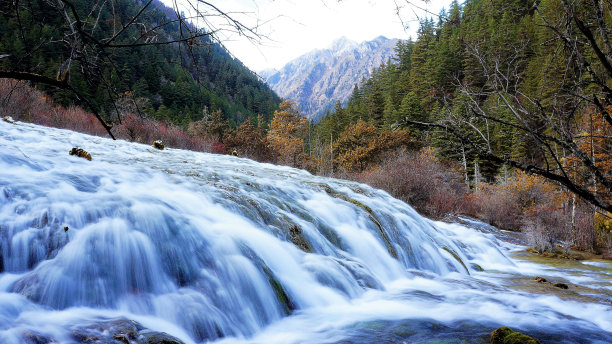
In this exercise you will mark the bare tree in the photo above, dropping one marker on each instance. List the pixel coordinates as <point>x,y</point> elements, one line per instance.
<point>74,28</point>
<point>555,126</point>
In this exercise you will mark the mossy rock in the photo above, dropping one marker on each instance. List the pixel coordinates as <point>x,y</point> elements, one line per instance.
<point>457,258</point>
<point>298,238</point>
<point>159,338</point>
<point>279,291</point>
<point>158,144</point>
<point>540,279</point>
<point>80,152</point>
<point>505,335</point>
<point>476,267</point>
<point>8,119</point>
<point>384,236</point>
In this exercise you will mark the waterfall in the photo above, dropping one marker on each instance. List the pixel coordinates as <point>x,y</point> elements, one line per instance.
<point>209,247</point>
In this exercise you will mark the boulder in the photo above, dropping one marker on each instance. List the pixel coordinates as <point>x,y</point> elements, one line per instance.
<point>158,144</point>
<point>36,338</point>
<point>119,331</point>
<point>561,285</point>
<point>80,153</point>
<point>158,338</point>
<point>505,335</point>
<point>8,119</point>
<point>540,279</point>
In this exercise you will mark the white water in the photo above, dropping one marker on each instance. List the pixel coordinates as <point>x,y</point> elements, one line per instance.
<point>196,245</point>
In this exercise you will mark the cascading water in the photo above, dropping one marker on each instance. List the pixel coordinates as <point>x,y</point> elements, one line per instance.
<point>216,248</point>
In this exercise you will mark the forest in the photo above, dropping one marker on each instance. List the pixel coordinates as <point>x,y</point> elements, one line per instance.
<point>499,110</point>
<point>172,75</point>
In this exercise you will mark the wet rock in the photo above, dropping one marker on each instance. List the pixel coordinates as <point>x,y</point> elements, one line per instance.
<point>561,285</point>
<point>476,267</point>
<point>120,331</point>
<point>35,338</point>
<point>158,144</point>
<point>281,295</point>
<point>540,279</point>
<point>298,239</point>
<point>234,153</point>
<point>80,153</point>
<point>505,335</point>
<point>158,338</point>
<point>8,119</point>
<point>457,258</point>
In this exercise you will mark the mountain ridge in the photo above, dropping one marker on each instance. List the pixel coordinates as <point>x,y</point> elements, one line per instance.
<point>321,77</point>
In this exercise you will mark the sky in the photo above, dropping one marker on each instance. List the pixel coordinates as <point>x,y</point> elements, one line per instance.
<point>290,28</point>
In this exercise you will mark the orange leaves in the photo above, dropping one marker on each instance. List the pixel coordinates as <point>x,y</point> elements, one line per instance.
<point>250,141</point>
<point>530,190</point>
<point>360,143</point>
<point>287,132</point>
<point>595,140</point>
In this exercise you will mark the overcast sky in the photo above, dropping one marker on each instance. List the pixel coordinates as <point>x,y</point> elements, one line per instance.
<point>294,27</point>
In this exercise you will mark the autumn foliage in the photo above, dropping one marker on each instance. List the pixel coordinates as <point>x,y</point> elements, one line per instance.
<point>419,179</point>
<point>25,103</point>
<point>250,141</point>
<point>287,132</point>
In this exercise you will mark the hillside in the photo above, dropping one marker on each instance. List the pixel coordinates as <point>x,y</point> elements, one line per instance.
<point>171,82</point>
<point>319,79</point>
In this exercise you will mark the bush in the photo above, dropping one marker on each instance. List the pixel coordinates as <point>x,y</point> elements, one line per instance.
<point>498,206</point>
<point>545,227</point>
<point>420,180</point>
<point>144,130</point>
<point>25,103</point>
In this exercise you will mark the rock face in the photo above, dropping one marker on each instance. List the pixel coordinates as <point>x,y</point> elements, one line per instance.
<point>318,79</point>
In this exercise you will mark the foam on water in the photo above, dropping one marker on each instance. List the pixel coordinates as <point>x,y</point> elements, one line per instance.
<point>209,247</point>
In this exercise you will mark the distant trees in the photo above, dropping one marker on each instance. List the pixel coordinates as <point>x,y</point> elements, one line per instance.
<point>552,71</point>
<point>93,51</point>
<point>360,144</point>
<point>498,85</point>
<point>251,141</point>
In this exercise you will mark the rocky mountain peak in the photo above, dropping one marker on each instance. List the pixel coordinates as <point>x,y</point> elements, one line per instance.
<point>320,78</point>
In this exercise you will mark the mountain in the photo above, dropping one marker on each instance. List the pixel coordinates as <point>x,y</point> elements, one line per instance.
<point>173,81</point>
<point>319,78</point>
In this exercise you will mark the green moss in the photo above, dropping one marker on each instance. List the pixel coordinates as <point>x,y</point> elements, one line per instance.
<point>505,335</point>
<point>335,194</point>
<point>476,267</point>
<point>386,239</point>
<point>519,338</point>
<point>456,256</point>
<point>279,291</point>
